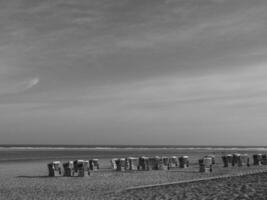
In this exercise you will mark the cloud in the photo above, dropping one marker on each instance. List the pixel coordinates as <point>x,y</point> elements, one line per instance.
<point>233,25</point>
<point>12,87</point>
<point>248,86</point>
<point>29,84</point>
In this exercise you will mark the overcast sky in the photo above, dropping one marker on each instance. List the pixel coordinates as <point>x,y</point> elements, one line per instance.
<point>176,72</point>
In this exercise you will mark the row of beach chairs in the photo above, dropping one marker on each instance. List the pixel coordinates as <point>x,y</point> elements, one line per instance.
<point>83,167</point>
<point>79,168</point>
<point>236,159</point>
<point>149,163</point>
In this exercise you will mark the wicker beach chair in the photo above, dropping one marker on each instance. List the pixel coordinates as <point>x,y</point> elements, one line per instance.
<point>94,164</point>
<point>257,159</point>
<point>68,168</point>
<point>114,163</point>
<point>225,161</point>
<point>165,163</point>
<point>54,168</point>
<point>184,162</point>
<point>144,163</point>
<point>264,159</point>
<point>205,164</point>
<point>173,162</point>
<point>121,164</point>
<point>81,168</point>
<point>236,159</point>
<point>153,163</point>
<point>132,163</point>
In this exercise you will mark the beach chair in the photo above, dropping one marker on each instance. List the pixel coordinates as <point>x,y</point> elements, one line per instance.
<point>173,162</point>
<point>230,158</point>
<point>245,160</point>
<point>225,161</point>
<point>183,162</point>
<point>127,164</point>
<point>121,164</point>
<point>144,163</point>
<point>132,163</point>
<point>153,163</point>
<point>68,168</point>
<point>78,163</point>
<point>205,165</point>
<point>264,159</point>
<point>164,163</point>
<point>240,160</point>
<point>158,163</point>
<point>236,159</point>
<point>81,168</point>
<point>114,163</point>
<point>54,169</point>
<point>257,159</point>
<point>94,164</point>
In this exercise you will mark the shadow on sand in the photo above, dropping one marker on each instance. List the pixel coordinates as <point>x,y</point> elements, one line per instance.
<point>49,177</point>
<point>184,171</point>
<point>39,177</point>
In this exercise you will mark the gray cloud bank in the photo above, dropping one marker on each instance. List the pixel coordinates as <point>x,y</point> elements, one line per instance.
<point>133,72</point>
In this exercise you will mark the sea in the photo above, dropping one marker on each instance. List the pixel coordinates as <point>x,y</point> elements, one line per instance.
<point>11,153</point>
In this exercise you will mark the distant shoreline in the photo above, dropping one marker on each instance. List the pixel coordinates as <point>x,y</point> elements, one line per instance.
<point>30,153</point>
<point>130,147</point>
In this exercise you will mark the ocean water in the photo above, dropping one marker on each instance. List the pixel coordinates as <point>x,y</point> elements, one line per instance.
<point>10,153</point>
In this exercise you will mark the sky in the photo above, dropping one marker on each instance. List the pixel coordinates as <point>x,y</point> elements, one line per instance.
<point>133,72</point>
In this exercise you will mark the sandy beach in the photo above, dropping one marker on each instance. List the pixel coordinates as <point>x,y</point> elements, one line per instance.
<point>29,180</point>
<point>244,187</point>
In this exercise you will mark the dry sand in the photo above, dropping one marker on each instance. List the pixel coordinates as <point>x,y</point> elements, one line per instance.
<point>28,180</point>
<point>245,187</point>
